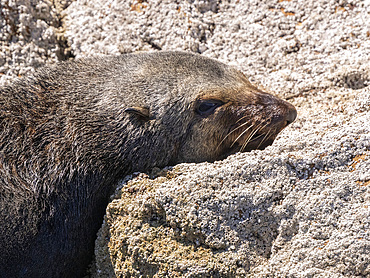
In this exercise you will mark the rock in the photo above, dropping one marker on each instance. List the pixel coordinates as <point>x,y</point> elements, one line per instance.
<point>31,34</point>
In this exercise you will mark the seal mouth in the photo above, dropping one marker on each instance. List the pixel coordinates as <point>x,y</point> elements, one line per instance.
<point>250,133</point>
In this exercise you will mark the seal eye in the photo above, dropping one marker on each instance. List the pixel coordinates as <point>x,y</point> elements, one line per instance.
<point>207,107</point>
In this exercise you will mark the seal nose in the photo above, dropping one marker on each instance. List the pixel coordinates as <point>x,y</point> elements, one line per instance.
<point>292,114</point>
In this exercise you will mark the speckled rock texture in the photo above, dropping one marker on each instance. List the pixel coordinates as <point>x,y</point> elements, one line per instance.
<point>300,208</point>
<point>31,35</point>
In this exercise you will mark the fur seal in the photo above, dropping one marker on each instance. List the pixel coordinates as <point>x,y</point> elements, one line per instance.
<point>71,131</point>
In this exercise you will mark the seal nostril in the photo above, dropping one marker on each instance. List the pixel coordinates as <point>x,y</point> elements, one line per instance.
<point>292,115</point>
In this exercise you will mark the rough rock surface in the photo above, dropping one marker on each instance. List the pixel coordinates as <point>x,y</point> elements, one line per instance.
<point>31,34</point>
<point>300,208</point>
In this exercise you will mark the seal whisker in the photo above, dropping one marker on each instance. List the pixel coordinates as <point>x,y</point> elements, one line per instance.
<point>264,138</point>
<point>231,133</point>
<point>240,135</point>
<point>254,139</point>
<point>241,119</point>
<point>259,127</point>
<point>249,137</point>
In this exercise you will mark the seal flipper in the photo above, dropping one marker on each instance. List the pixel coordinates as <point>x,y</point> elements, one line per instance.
<point>141,112</point>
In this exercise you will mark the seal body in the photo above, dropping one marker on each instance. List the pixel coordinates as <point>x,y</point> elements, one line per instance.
<point>71,131</point>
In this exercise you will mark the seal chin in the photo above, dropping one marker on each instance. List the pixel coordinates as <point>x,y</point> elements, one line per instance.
<point>256,142</point>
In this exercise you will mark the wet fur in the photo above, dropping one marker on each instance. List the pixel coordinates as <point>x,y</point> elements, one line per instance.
<point>66,139</point>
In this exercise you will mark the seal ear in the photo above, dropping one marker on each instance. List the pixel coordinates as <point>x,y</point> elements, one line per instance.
<point>141,112</point>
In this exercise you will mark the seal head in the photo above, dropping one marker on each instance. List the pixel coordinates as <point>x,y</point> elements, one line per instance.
<point>209,111</point>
